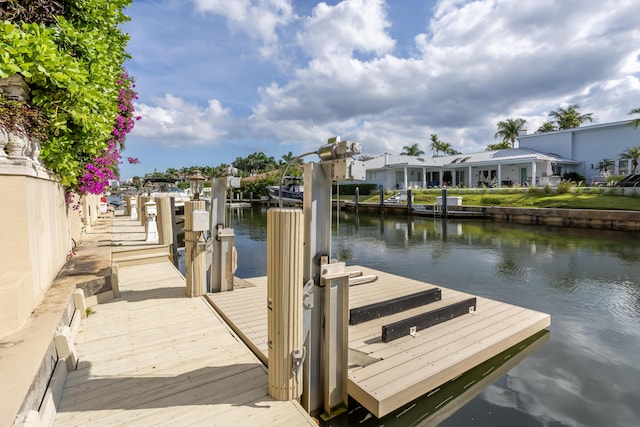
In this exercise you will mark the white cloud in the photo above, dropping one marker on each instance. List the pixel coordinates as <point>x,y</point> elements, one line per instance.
<point>259,19</point>
<point>477,63</point>
<point>351,25</point>
<point>176,122</point>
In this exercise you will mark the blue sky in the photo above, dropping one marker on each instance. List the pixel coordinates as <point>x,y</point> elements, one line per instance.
<point>221,79</point>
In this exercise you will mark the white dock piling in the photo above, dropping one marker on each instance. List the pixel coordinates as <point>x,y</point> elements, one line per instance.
<point>285,232</point>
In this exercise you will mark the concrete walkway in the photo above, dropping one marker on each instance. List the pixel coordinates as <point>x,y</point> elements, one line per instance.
<point>155,357</point>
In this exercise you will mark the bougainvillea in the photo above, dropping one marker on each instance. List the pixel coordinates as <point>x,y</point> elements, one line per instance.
<point>103,168</point>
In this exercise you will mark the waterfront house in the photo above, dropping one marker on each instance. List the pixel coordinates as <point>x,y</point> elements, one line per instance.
<point>540,159</point>
<point>596,147</point>
<point>489,168</point>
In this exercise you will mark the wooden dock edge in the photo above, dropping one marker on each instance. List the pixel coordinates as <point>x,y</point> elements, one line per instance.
<point>380,408</point>
<point>245,338</point>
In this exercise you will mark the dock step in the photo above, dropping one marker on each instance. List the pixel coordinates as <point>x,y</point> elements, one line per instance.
<point>140,255</point>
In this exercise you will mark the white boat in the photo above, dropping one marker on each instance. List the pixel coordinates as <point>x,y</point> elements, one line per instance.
<point>291,192</point>
<point>166,187</point>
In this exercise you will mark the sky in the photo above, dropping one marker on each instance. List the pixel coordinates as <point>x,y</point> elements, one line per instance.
<point>222,79</point>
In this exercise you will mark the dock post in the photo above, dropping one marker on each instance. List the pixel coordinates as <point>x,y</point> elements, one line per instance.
<point>444,202</point>
<point>357,198</point>
<point>133,202</point>
<point>150,214</point>
<point>224,258</point>
<point>165,231</point>
<point>409,201</point>
<point>196,280</point>
<point>285,234</point>
<point>381,199</point>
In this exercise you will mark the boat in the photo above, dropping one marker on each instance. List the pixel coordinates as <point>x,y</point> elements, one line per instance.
<point>291,192</point>
<point>166,187</point>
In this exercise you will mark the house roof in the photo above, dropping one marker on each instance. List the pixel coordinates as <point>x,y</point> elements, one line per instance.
<point>578,129</point>
<point>511,155</point>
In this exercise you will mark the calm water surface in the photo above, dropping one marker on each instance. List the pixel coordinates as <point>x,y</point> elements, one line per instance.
<point>587,374</point>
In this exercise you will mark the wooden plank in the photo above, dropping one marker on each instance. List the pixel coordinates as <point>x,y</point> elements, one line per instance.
<point>401,328</point>
<point>380,309</point>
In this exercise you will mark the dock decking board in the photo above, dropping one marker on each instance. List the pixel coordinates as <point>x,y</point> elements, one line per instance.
<point>156,357</point>
<point>409,366</point>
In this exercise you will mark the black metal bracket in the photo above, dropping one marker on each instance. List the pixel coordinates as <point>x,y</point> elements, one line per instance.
<point>404,327</point>
<point>385,308</point>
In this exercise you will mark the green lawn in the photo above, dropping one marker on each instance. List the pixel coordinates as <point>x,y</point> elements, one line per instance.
<point>589,199</point>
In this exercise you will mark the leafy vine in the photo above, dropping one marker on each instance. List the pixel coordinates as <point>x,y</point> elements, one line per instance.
<point>71,54</point>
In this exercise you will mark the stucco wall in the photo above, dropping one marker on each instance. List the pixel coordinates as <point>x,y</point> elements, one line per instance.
<point>36,229</point>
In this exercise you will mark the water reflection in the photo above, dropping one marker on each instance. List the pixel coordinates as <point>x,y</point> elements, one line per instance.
<point>589,281</point>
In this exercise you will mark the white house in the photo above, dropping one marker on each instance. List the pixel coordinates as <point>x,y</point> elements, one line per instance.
<point>488,168</point>
<point>589,145</point>
<point>542,158</point>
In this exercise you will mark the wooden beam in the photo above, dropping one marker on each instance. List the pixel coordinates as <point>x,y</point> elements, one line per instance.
<point>403,327</point>
<point>365,313</point>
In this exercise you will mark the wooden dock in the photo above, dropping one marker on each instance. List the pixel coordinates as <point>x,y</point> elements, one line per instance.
<point>384,376</point>
<point>155,357</point>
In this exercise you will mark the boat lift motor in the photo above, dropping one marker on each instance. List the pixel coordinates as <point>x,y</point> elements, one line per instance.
<point>222,240</point>
<point>326,283</point>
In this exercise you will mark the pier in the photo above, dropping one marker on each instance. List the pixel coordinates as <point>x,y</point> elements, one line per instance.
<point>384,376</point>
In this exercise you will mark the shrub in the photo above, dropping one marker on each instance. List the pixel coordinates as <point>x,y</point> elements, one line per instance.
<point>564,187</point>
<point>573,177</point>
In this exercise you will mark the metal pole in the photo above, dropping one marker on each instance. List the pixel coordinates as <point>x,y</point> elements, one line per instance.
<point>444,203</point>
<point>357,198</point>
<point>317,238</point>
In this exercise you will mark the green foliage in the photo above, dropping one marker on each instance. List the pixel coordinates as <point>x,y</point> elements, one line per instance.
<point>564,187</point>
<point>350,189</point>
<point>574,177</point>
<point>491,200</point>
<point>72,67</point>
<point>259,186</point>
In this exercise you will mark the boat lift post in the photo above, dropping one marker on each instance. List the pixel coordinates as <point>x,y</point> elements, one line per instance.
<point>222,239</point>
<point>326,283</point>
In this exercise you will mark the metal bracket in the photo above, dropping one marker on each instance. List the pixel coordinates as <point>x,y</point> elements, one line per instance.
<point>472,310</point>
<point>297,358</point>
<point>307,295</point>
<point>413,331</point>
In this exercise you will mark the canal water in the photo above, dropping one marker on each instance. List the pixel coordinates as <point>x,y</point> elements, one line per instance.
<point>586,374</point>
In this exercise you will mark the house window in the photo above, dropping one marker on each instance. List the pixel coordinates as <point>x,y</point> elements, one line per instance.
<point>623,166</point>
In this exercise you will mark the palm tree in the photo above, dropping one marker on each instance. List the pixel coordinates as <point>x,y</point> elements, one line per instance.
<point>504,145</point>
<point>447,149</point>
<point>567,118</point>
<point>636,122</point>
<point>436,144</point>
<point>510,129</point>
<point>605,164</point>
<point>412,150</point>
<point>632,153</point>
<point>547,127</point>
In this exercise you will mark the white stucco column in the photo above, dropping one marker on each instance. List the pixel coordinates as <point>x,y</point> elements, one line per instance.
<point>533,173</point>
<point>499,175</point>
<point>441,177</point>
<point>454,181</point>
<point>405,178</point>
<point>470,177</point>
<point>424,177</point>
